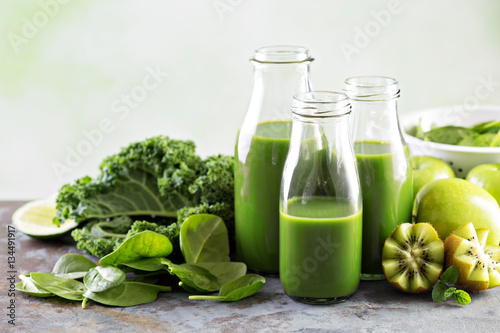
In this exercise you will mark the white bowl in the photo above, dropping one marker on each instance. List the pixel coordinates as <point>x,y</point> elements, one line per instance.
<point>460,158</point>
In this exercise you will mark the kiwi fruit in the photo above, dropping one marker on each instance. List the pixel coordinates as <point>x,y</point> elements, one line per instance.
<point>477,262</point>
<point>412,257</point>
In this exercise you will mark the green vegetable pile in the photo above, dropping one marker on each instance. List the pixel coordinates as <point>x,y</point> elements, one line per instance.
<point>154,199</point>
<point>486,134</point>
<point>128,276</point>
<point>160,181</point>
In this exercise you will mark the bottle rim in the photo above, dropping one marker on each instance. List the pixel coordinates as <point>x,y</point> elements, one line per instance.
<point>371,88</point>
<point>321,104</point>
<point>282,54</point>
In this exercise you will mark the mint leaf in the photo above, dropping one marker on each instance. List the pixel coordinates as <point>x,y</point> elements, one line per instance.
<point>438,292</point>
<point>461,297</point>
<point>441,292</point>
<point>450,276</point>
<point>449,293</point>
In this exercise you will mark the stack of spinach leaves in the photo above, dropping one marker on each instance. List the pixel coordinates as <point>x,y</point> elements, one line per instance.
<point>123,277</point>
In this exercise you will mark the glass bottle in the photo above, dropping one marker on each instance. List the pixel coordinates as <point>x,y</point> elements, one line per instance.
<point>320,204</point>
<point>260,152</point>
<point>383,164</point>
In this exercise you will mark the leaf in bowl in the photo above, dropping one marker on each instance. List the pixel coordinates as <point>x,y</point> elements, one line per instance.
<point>496,140</point>
<point>492,126</point>
<point>419,132</point>
<point>451,135</point>
<point>478,140</point>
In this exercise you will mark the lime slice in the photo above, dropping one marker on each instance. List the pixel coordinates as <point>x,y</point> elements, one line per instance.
<point>35,219</point>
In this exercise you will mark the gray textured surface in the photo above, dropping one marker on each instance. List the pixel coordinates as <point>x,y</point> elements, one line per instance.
<point>376,307</point>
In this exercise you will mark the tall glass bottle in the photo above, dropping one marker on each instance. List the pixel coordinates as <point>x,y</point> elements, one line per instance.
<point>320,205</point>
<point>261,148</point>
<point>383,164</point>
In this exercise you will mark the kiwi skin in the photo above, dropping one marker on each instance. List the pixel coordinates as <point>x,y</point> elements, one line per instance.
<point>413,243</point>
<point>452,243</point>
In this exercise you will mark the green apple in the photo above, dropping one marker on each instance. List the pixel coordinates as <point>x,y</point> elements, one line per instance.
<point>428,168</point>
<point>450,203</point>
<point>488,177</point>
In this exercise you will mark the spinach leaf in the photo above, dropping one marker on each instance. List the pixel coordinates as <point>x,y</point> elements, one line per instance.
<point>486,134</point>
<point>243,287</point>
<point>419,132</point>
<point>224,271</point>
<point>62,287</point>
<point>149,264</point>
<point>468,141</point>
<point>144,244</point>
<point>28,286</point>
<point>128,294</point>
<point>451,135</point>
<point>204,238</point>
<point>478,140</point>
<point>194,278</point>
<point>496,140</point>
<point>238,289</point>
<point>72,266</point>
<point>101,278</point>
<point>492,126</point>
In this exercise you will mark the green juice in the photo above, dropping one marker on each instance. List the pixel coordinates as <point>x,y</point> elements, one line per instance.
<point>257,182</point>
<point>387,187</point>
<point>320,248</point>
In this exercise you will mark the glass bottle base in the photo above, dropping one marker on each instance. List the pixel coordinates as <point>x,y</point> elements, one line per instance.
<point>372,277</point>
<point>319,301</point>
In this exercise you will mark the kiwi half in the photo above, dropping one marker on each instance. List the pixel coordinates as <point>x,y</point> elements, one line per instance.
<point>477,262</point>
<point>412,257</point>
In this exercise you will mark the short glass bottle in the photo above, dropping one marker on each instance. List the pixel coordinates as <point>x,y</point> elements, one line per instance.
<point>383,165</point>
<point>320,204</point>
<point>261,148</point>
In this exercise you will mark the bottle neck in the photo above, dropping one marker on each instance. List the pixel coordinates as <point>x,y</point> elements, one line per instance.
<point>321,162</point>
<point>374,107</point>
<point>376,121</point>
<point>330,134</point>
<point>274,87</point>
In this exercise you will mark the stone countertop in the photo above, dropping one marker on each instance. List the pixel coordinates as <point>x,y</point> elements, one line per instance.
<point>375,307</point>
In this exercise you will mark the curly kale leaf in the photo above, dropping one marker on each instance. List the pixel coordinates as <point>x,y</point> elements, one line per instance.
<point>158,179</point>
<point>216,182</point>
<point>102,237</point>
<point>128,182</point>
<point>213,192</point>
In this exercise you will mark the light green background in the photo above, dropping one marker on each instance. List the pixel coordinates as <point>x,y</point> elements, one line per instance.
<point>70,73</point>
